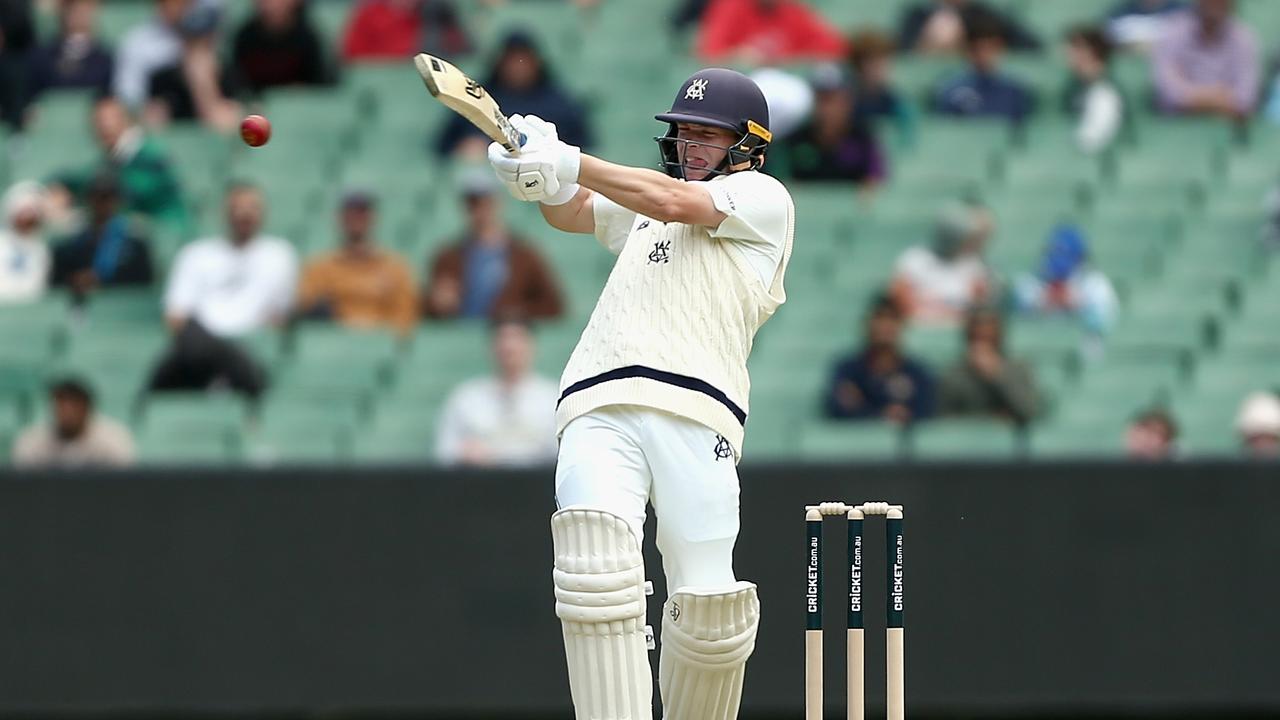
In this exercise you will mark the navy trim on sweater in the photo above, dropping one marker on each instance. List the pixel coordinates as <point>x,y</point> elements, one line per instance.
<point>662,376</point>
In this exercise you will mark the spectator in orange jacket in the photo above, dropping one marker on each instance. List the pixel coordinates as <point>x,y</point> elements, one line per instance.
<point>767,31</point>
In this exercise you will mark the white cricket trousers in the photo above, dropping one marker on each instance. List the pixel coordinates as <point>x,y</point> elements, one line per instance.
<point>621,457</point>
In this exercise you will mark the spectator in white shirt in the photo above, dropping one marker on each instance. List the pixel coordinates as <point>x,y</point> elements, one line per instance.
<point>221,289</point>
<point>1091,96</point>
<point>75,436</point>
<point>24,256</point>
<point>507,419</point>
<point>938,284</point>
<point>157,44</point>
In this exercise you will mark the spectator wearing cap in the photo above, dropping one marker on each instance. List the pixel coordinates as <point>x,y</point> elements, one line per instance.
<point>937,284</point>
<point>24,256</point>
<point>17,38</point>
<point>278,46</point>
<point>222,289</point>
<point>765,32</point>
<point>1153,435</point>
<point>1138,24</point>
<point>1206,63</point>
<point>835,145</point>
<point>505,419</point>
<point>1258,424</point>
<point>110,251</point>
<point>522,83</point>
<point>880,381</point>
<point>385,30</point>
<point>148,184</point>
<point>76,436</point>
<point>942,27</point>
<point>75,58</point>
<point>359,285</point>
<point>876,100</point>
<point>985,382</point>
<point>1067,284</point>
<point>1091,97</point>
<point>489,271</point>
<point>984,90</point>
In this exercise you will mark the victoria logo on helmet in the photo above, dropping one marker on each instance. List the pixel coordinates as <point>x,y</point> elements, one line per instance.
<point>697,90</point>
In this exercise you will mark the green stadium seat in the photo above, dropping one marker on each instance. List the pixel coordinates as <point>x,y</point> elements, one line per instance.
<point>401,432</point>
<point>161,444</point>
<point>957,439</point>
<point>1096,438</point>
<point>860,441</point>
<point>299,435</point>
<point>198,413</point>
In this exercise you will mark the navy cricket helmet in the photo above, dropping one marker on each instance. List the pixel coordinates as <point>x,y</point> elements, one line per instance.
<point>720,98</point>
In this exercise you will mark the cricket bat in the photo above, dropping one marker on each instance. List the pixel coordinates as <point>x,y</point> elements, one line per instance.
<point>466,97</point>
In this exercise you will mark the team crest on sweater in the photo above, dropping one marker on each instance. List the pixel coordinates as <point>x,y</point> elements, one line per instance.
<point>661,252</point>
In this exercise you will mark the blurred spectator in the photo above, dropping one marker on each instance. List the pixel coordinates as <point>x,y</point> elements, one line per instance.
<point>880,382</point>
<point>939,283</point>
<point>399,29</point>
<point>24,256</point>
<point>195,86</point>
<point>489,272</point>
<point>1259,425</point>
<point>1153,435</point>
<point>789,97</point>
<point>507,419</point>
<point>986,383</point>
<point>1066,283</point>
<point>149,185</point>
<point>1206,62</point>
<point>871,58</point>
<point>278,46</point>
<point>1271,225</point>
<point>522,83</point>
<point>75,436</point>
<point>153,45</point>
<point>1091,96</point>
<point>221,289</point>
<point>766,32</point>
<point>835,145</point>
<point>17,37</point>
<point>74,58</point>
<point>941,26</point>
<point>983,90</point>
<point>1138,23</point>
<point>689,12</point>
<point>359,285</point>
<point>110,251</point>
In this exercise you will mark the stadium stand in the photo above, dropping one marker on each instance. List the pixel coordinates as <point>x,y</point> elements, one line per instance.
<point>1173,213</point>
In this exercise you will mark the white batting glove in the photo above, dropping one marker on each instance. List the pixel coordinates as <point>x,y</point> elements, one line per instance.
<point>545,170</point>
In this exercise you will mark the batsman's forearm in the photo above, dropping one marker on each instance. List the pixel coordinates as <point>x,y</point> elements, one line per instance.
<point>575,216</point>
<point>640,190</point>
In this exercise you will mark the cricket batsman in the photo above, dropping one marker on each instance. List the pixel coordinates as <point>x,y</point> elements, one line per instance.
<point>653,401</point>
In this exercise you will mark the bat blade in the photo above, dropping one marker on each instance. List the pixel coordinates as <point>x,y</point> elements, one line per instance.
<point>466,97</point>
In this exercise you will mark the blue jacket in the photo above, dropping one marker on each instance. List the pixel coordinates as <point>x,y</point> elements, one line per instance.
<point>910,384</point>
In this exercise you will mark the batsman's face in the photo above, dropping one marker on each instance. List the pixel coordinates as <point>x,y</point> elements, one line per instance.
<point>705,148</point>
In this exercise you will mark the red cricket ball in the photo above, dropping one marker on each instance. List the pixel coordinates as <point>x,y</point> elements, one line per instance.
<point>255,130</point>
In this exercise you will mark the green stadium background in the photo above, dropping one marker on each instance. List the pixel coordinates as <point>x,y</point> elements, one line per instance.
<point>1172,214</point>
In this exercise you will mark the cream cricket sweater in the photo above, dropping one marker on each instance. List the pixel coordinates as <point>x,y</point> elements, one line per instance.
<point>675,322</point>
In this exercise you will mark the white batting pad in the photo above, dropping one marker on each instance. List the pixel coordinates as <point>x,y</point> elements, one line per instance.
<point>600,600</point>
<point>707,636</point>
